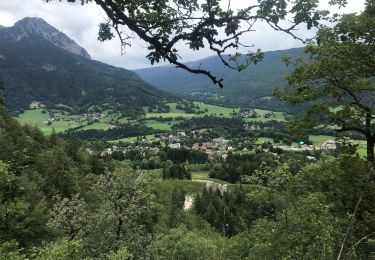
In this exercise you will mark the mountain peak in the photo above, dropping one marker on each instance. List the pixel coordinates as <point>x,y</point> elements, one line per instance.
<point>27,21</point>
<point>37,27</point>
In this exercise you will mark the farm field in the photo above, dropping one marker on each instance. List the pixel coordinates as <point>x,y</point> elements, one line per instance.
<point>109,117</point>
<point>97,125</point>
<point>272,115</point>
<point>164,126</point>
<point>206,108</point>
<point>130,139</point>
<point>215,110</point>
<point>33,117</point>
<point>318,140</point>
<point>36,117</point>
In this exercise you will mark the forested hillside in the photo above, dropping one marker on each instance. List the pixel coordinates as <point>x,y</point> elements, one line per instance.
<point>36,69</point>
<point>251,87</point>
<point>68,200</point>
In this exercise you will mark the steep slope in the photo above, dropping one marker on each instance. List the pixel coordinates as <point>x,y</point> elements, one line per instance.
<point>38,63</point>
<point>37,27</point>
<point>251,87</point>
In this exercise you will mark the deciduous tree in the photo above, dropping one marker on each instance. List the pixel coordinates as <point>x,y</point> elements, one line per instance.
<point>337,78</point>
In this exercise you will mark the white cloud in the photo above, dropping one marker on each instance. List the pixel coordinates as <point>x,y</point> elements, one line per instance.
<point>81,24</point>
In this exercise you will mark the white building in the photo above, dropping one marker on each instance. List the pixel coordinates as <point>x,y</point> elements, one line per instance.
<point>175,146</point>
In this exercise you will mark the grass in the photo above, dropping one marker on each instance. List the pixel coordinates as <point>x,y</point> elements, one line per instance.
<point>170,114</point>
<point>278,116</point>
<point>59,126</point>
<point>189,187</point>
<point>261,140</point>
<point>198,167</point>
<point>211,110</point>
<point>165,126</point>
<point>362,149</point>
<point>158,125</point>
<point>203,176</point>
<point>130,139</point>
<point>215,110</point>
<point>35,117</point>
<point>318,140</point>
<point>96,126</point>
<point>155,175</point>
<point>124,140</point>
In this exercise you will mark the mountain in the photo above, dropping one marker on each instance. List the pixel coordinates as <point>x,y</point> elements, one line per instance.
<point>37,27</point>
<point>39,63</point>
<point>250,87</point>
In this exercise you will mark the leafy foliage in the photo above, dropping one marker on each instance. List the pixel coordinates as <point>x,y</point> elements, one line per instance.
<point>338,79</point>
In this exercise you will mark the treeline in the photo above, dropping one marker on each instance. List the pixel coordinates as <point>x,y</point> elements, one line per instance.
<point>236,166</point>
<point>210,122</point>
<point>185,155</point>
<point>230,212</point>
<point>118,132</point>
<point>176,171</point>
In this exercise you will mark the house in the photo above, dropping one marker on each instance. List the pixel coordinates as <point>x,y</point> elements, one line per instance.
<point>154,150</point>
<point>183,134</point>
<point>220,141</point>
<point>175,146</point>
<point>107,151</point>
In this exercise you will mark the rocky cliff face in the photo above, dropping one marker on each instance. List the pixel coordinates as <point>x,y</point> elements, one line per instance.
<point>37,27</point>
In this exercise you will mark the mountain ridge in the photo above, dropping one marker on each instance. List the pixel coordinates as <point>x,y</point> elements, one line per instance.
<point>34,26</point>
<point>36,69</point>
<point>250,87</point>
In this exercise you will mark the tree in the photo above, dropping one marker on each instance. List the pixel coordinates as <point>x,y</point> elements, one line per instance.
<point>180,243</point>
<point>124,214</point>
<point>337,79</point>
<point>166,24</point>
<point>69,216</point>
<point>1,93</point>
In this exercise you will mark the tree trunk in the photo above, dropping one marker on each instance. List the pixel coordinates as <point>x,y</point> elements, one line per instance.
<point>118,233</point>
<point>370,149</point>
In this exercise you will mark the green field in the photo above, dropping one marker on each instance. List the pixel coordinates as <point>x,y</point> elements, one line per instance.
<point>131,139</point>
<point>211,110</point>
<point>278,116</point>
<point>261,140</point>
<point>362,149</point>
<point>203,176</point>
<point>97,126</point>
<point>215,110</point>
<point>158,125</point>
<point>35,117</point>
<point>318,140</point>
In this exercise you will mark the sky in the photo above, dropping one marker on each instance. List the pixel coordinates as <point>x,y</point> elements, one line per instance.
<point>81,24</point>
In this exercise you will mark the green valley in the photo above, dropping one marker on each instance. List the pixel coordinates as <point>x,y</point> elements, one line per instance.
<point>251,155</point>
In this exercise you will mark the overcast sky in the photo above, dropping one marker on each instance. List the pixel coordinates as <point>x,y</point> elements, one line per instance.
<point>81,24</point>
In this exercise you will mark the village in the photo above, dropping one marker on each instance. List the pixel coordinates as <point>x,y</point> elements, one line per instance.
<point>217,149</point>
